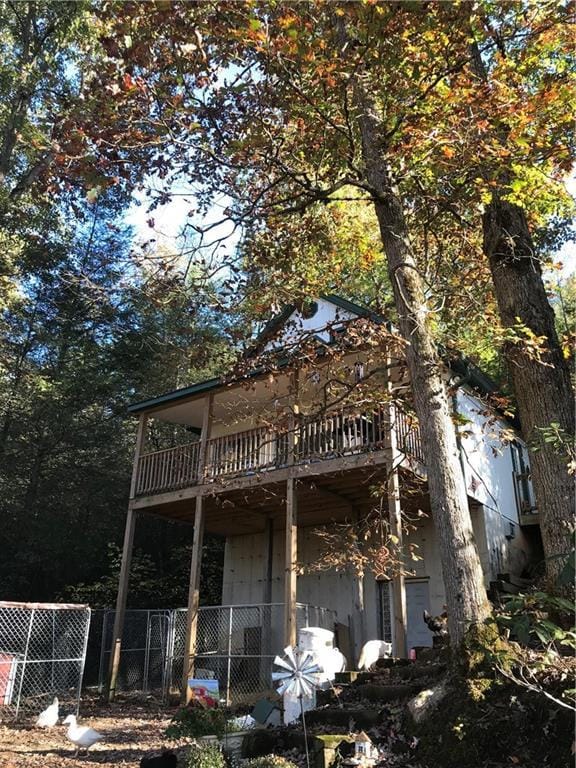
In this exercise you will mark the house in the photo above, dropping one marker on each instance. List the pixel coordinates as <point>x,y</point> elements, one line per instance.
<point>318,414</point>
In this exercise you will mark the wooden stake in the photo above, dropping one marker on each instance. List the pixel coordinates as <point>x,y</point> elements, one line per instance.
<point>290,575</point>
<point>193,601</point>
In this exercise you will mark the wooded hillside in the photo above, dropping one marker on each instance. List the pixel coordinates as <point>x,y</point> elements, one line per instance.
<point>408,155</point>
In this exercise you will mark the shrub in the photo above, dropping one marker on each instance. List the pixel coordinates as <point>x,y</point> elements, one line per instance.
<point>197,721</point>
<point>206,756</point>
<point>531,620</point>
<point>269,761</point>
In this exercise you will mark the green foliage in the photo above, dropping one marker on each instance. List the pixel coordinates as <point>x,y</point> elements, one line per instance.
<point>269,761</point>
<point>559,440</point>
<point>195,721</point>
<point>206,756</point>
<point>530,620</point>
<point>150,588</point>
<point>81,338</point>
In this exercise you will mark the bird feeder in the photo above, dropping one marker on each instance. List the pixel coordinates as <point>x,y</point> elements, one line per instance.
<point>365,752</point>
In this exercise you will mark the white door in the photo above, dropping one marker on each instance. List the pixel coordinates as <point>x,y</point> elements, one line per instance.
<point>417,601</point>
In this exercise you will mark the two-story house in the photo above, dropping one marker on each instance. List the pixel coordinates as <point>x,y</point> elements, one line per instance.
<point>297,440</point>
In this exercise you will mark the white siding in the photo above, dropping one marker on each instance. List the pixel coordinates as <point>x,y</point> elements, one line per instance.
<point>489,477</point>
<point>245,567</point>
<point>326,317</point>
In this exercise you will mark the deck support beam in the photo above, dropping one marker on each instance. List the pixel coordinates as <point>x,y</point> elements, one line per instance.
<point>267,617</point>
<point>196,561</point>
<point>290,576</point>
<point>359,612</point>
<point>121,599</point>
<point>193,600</point>
<point>395,519</point>
<point>128,545</point>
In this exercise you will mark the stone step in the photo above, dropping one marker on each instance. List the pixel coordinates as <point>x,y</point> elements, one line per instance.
<point>386,693</point>
<point>363,719</point>
<point>352,676</point>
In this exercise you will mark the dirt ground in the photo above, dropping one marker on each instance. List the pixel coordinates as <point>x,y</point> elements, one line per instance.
<point>131,728</point>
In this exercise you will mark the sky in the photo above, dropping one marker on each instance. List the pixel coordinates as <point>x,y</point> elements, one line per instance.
<point>170,220</point>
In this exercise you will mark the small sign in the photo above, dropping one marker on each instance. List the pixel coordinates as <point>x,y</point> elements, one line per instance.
<point>207,692</point>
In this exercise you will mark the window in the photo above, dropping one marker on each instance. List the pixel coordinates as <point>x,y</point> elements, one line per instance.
<point>522,481</point>
<point>358,372</point>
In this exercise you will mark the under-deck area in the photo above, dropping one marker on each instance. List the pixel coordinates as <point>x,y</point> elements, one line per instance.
<point>245,506</point>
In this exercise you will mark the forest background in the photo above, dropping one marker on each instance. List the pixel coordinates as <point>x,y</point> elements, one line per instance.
<point>96,315</point>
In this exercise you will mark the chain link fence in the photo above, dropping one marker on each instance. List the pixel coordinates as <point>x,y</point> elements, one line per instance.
<point>235,644</point>
<point>42,655</point>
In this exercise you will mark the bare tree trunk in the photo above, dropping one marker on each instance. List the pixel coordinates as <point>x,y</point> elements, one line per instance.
<point>543,390</point>
<point>462,572</point>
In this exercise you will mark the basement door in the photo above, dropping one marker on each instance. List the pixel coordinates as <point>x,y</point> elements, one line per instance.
<point>417,601</point>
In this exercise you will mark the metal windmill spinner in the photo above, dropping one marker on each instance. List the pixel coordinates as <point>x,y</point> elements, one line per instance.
<point>298,682</point>
<point>299,673</point>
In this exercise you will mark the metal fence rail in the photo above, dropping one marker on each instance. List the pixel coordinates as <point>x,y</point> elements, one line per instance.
<point>235,645</point>
<point>42,655</point>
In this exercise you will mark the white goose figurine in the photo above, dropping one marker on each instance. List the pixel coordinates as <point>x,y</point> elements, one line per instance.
<point>81,735</point>
<point>49,717</point>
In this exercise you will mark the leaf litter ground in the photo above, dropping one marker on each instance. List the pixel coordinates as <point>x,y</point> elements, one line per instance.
<point>132,727</point>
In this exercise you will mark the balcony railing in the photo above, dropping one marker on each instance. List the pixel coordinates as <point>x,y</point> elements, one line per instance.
<point>168,470</point>
<point>339,433</point>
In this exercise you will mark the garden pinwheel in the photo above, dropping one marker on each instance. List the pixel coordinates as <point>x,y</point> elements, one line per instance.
<point>299,672</point>
<point>297,679</point>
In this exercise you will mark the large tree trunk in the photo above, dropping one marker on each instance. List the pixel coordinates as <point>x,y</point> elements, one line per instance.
<point>542,388</point>
<point>461,569</point>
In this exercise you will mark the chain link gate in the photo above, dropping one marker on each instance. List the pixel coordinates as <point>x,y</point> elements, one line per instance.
<point>146,643</point>
<point>42,655</point>
<point>235,644</point>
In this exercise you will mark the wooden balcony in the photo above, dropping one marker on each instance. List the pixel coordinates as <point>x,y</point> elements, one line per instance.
<point>336,434</point>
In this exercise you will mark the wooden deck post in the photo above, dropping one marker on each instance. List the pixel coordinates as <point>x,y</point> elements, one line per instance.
<point>193,600</point>
<point>125,567</point>
<point>395,517</point>
<point>267,618</point>
<point>291,533</point>
<point>359,605</point>
<point>205,436</point>
<point>291,554</point>
<point>196,561</point>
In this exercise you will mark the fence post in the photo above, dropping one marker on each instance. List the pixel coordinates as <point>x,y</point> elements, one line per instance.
<point>25,660</point>
<point>229,668</point>
<point>53,645</point>
<point>83,662</point>
<point>166,665</point>
<point>146,654</point>
<point>102,662</point>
